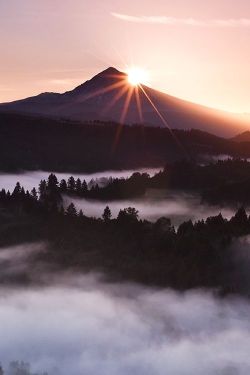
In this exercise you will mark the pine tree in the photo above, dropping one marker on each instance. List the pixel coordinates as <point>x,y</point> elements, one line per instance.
<point>52,181</point>
<point>84,186</point>
<point>106,214</point>
<point>71,184</point>
<point>34,193</point>
<point>42,190</point>
<point>71,210</point>
<point>17,190</point>
<point>78,186</point>
<point>63,186</point>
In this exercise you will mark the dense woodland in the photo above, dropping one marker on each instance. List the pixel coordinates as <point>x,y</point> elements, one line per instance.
<point>31,143</point>
<point>201,254</point>
<point>223,182</point>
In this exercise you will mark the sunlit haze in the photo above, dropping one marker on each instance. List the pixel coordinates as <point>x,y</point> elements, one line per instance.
<point>137,76</point>
<point>195,50</point>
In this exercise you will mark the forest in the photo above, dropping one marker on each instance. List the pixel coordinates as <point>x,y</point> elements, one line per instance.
<point>225,182</point>
<point>199,254</point>
<point>32,143</point>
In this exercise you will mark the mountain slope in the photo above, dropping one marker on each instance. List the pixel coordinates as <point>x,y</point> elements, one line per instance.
<point>104,98</point>
<point>243,137</point>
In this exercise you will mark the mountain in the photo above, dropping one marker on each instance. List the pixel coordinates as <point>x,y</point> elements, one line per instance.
<point>105,96</point>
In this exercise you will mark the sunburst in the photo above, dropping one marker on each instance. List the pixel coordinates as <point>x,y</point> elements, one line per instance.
<point>127,86</point>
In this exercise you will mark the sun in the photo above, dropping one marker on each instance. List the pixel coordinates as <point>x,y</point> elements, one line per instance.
<point>137,76</point>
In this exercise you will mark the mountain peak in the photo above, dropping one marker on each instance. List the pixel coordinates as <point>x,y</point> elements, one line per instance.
<point>111,70</point>
<point>108,96</point>
<point>102,79</point>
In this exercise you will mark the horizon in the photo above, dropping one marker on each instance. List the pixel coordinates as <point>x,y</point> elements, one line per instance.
<point>55,47</point>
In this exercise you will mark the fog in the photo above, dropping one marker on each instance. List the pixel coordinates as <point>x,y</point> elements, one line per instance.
<point>155,204</point>
<point>88,327</point>
<point>177,206</point>
<point>15,262</point>
<point>31,179</point>
<point>80,324</point>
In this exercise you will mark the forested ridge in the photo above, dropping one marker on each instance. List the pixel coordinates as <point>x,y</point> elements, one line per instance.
<point>31,143</point>
<point>223,182</point>
<point>200,254</point>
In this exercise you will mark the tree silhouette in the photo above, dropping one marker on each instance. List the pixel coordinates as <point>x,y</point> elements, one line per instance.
<point>78,186</point>
<point>106,214</point>
<point>71,210</point>
<point>71,184</point>
<point>52,181</point>
<point>84,186</point>
<point>34,193</point>
<point>63,186</point>
<point>17,190</point>
<point>81,213</point>
<point>128,215</point>
<point>42,190</point>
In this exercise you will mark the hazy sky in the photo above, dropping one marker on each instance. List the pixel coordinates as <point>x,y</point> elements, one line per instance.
<point>197,50</point>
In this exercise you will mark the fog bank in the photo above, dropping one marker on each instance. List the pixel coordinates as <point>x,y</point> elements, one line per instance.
<point>31,179</point>
<point>86,327</point>
<point>177,206</point>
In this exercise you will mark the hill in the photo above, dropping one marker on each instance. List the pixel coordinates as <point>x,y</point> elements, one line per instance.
<point>32,142</point>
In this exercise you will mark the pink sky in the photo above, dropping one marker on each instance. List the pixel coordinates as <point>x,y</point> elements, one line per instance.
<point>193,49</point>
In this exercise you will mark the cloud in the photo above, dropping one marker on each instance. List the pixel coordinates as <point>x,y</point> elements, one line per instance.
<point>173,21</point>
<point>96,328</point>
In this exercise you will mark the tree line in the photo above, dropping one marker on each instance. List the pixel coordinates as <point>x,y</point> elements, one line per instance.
<point>223,182</point>
<point>196,254</point>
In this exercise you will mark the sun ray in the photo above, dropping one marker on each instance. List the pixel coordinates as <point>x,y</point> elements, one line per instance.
<point>122,118</point>
<point>104,90</point>
<point>126,105</point>
<point>163,120</point>
<point>138,103</point>
<point>115,99</point>
<point>155,108</point>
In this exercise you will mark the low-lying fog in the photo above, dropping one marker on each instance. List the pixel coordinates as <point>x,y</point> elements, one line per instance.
<point>80,324</point>
<point>177,206</point>
<point>31,179</point>
<point>83,326</point>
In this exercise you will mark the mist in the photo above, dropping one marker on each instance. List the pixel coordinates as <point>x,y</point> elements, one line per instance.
<point>32,179</point>
<point>178,206</point>
<point>81,324</point>
<point>84,326</point>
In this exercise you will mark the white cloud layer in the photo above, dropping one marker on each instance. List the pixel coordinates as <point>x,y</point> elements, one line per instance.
<point>97,329</point>
<point>173,21</point>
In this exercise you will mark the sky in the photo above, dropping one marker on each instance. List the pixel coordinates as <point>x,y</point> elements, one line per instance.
<point>192,49</point>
